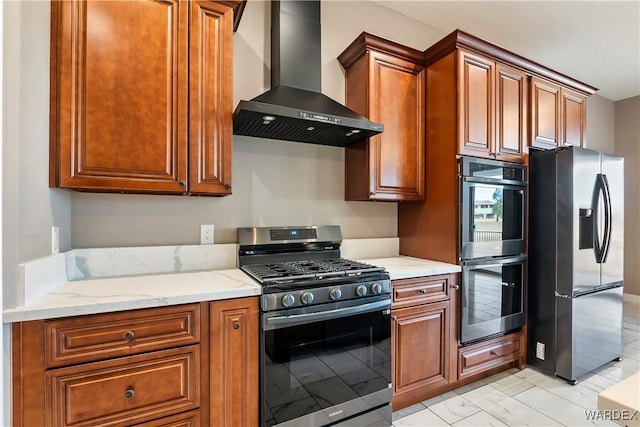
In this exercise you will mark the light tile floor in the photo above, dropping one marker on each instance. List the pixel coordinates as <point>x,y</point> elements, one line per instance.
<point>527,397</point>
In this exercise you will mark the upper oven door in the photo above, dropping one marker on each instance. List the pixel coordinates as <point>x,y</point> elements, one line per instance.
<point>322,364</point>
<point>492,208</point>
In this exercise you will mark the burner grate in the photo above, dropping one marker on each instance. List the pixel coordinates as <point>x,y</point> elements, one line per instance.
<point>308,270</point>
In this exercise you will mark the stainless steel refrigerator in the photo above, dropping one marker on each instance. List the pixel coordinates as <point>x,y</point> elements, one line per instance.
<point>576,232</point>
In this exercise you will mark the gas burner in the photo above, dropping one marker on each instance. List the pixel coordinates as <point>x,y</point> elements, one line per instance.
<point>290,271</point>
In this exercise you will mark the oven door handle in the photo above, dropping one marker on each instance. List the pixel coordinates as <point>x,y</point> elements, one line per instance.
<point>278,321</point>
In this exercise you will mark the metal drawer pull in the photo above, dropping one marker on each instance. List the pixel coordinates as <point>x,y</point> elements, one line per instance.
<point>423,291</point>
<point>129,335</point>
<point>236,325</point>
<point>128,394</point>
<point>493,353</point>
<point>456,287</point>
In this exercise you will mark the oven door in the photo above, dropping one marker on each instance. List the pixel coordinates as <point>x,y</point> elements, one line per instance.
<point>492,297</point>
<point>322,364</point>
<point>492,220</point>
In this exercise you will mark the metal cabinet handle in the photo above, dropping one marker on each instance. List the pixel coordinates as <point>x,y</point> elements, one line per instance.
<point>236,325</point>
<point>182,183</point>
<point>227,186</point>
<point>129,394</point>
<point>129,335</point>
<point>456,287</point>
<point>423,291</point>
<point>493,353</point>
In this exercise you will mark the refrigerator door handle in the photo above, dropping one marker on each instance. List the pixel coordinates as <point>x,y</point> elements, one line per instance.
<point>607,217</point>
<point>601,247</point>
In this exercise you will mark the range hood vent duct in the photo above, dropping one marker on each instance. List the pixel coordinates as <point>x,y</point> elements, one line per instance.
<point>295,109</point>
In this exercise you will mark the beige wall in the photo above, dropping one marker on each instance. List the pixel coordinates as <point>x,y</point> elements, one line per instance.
<point>627,124</point>
<point>601,132</point>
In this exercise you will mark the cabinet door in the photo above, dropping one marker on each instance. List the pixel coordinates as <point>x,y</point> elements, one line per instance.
<point>210,98</point>
<point>396,156</point>
<point>234,362</point>
<point>421,350</point>
<point>511,113</point>
<point>119,95</point>
<point>545,114</point>
<point>574,118</point>
<point>475,104</point>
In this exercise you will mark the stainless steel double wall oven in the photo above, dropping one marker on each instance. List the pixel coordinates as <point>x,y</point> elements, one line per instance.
<point>492,244</point>
<point>325,341</point>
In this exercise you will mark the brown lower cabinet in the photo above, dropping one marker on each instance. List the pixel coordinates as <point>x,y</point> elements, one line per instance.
<point>186,365</point>
<point>426,359</point>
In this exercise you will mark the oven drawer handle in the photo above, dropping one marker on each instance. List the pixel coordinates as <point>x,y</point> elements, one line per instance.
<point>323,315</point>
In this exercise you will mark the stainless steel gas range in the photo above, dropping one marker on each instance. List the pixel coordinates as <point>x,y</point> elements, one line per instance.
<point>325,341</point>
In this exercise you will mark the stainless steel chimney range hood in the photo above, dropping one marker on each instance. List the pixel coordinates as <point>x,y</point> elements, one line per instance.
<point>295,109</point>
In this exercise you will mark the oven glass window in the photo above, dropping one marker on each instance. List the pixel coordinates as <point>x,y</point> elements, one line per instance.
<point>494,292</point>
<point>317,365</point>
<point>494,214</point>
<point>492,299</point>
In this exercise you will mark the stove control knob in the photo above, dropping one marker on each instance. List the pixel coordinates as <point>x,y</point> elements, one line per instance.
<point>376,288</point>
<point>288,300</point>
<point>306,298</point>
<point>361,290</point>
<point>335,294</point>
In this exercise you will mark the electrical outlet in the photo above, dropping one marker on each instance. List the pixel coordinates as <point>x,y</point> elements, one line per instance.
<point>540,350</point>
<point>55,239</point>
<point>206,234</point>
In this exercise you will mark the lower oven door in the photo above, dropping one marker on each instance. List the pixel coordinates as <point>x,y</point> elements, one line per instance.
<point>492,297</point>
<point>324,364</point>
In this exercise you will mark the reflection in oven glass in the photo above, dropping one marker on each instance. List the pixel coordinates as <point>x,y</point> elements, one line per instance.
<point>493,293</point>
<point>304,374</point>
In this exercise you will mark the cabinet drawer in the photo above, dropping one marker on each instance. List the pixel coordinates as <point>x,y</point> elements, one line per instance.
<point>486,355</point>
<point>91,338</point>
<point>421,290</point>
<point>189,419</point>
<point>124,391</point>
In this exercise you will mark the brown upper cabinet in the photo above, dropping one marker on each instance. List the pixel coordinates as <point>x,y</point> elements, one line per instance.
<point>492,106</point>
<point>385,82</point>
<point>483,101</point>
<point>141,96</point>
<point>558,115</point>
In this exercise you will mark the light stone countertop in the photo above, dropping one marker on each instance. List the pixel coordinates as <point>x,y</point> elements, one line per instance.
<point>127,293</point>
<point>80,297</point>
<point>405,267</point>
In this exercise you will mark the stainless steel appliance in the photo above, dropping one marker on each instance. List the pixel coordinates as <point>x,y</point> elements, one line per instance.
<point>325,342</point>
<point>295,109</point>
<point>493,197</point>
<point>492,244</point>
<point>575,261</point>
<point>492,297</point>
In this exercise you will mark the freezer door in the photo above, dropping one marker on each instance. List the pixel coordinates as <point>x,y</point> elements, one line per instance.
<point>588,332</point>
<point>613,262</point>
<point>577,268</point>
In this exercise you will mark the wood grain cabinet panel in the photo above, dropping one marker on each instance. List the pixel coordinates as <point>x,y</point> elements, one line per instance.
<point>423,337</point>
<point>141,96</point>
<point>124,391</point>
<point>234,362</point>
<point>188,419</point>
<point>421,346</point>
<point>492,107</point>
<point>558,115</point>
<point>385,83</point>
<point>116,369</point>
<point>574,118</point>
<point>485,355</point>
<point>89,338</point>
